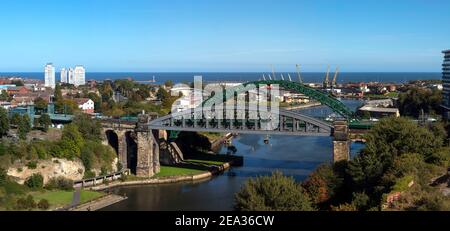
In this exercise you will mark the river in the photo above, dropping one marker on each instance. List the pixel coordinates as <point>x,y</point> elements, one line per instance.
<point>293,155</point>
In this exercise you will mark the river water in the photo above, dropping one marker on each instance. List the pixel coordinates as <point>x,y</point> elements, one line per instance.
<point>293,155</point>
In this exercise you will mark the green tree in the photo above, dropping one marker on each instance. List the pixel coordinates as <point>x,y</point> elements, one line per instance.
<point>71,132</point>
<point>35,181</point>
<point>168,83</point>
<point>43,204</point>
<point>40,104</point>
<point>4,96</point>
<point>272,193</point>
<point>412,102</point>
<point>24,127</point>
<point>16,119</point>
<point>89,128</point>
<point>4,122</point>
<point>3,177</point>
<point>45,121</point>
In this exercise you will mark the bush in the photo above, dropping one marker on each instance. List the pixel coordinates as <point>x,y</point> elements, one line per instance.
<point>272,193</point>
<point>43,204</point>
<point>32,165</point>
<point>36,181</point>
<point>61,183</point>
<point>88,174</point>
<point>3,177</point>
<point>26,203</point>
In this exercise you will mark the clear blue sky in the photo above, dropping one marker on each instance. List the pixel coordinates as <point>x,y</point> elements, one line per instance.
<point>224,35</point>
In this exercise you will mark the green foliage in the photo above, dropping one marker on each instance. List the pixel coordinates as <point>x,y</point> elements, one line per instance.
<point>27,203</point>
<point>3,177</point>
<point>322,184</point>
<point>36,181</point>
<point>272,193</point>
<point>40,104</point>
<point>24,127</point>
<point>45,122</point>
<point>71,133</point>
<point>16,119</point>
<point>60,183</point>
<point>4,96</point>
<point>32,165</point>
<point>433,202</point>
<point>361,201</point>
<point>416,99</point>
<point>96,155</point>
<point>89,128</point>
<point>43,204</point>
<point>89,174</point>
<point>4,122</point>
<point>168,83</point>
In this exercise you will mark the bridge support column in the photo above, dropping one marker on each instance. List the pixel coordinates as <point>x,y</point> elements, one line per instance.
<point>341,142</point>
<point>147,149</point>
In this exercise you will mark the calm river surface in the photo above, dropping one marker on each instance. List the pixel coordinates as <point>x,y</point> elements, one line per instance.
<point>293,155</point>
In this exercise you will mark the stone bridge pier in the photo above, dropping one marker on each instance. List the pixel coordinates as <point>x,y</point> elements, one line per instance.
<point>136,146</point>
<point>341,142</point>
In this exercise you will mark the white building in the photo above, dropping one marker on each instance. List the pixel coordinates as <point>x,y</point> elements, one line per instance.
<point>86,105</point>
<point>64,75</point>
<point>50,75</point>
<point>70,78</point>
<point>79,74</point>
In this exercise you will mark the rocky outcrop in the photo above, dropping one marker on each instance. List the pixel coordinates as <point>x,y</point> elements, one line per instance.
<point>49,169</point>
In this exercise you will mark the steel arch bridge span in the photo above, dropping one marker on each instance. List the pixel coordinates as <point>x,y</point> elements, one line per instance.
<point>324,98</point>
<point>280,123</point>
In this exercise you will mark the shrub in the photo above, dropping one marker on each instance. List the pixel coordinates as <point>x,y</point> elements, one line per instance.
<point>272,193</point>
<point>36,181</point>
<point>43,204</point>
<point>88,174</point>
<point>32,165</point>
<point>61,183</point>
<point>25,203</point>
<point>3,177</point>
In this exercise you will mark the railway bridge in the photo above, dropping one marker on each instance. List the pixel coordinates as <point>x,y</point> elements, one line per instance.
<point>143,145</point>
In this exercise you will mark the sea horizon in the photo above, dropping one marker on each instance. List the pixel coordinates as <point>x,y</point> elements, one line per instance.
<point>180,77</point>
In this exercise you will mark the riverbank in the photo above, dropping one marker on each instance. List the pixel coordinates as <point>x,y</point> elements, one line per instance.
<point>214,170</point>
<point>99,203</point>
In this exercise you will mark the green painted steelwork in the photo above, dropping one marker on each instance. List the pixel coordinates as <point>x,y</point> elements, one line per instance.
<point>324,98</point>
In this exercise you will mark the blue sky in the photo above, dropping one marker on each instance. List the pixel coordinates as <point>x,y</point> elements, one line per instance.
<point>224,35</point>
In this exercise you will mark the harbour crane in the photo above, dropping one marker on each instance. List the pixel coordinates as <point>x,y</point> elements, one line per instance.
<point>282,77</point>
<point>270,77</point>
<point>290,79</point>
<point>298,73</point>
<point>334,83</point>
<point>264,77</point>
<point>327,79</point>
<point>273,73</point>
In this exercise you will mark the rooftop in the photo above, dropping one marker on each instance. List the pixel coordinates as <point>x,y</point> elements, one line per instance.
<point>446,51</point>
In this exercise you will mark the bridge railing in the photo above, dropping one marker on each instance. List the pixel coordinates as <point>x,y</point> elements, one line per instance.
<point>101,179</point>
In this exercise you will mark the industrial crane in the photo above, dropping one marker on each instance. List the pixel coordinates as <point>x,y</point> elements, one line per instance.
<point>298,73</point>
<point>327,79</point>
<point>334,83</point>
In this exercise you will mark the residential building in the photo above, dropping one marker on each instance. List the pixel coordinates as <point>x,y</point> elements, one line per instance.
<point>64,75</point>
<point>79,76</point>
<point>86,105</point>
<point>50,75</point>
<point>446,84</point>
<point>17,90</point>
<point>70,77</point>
